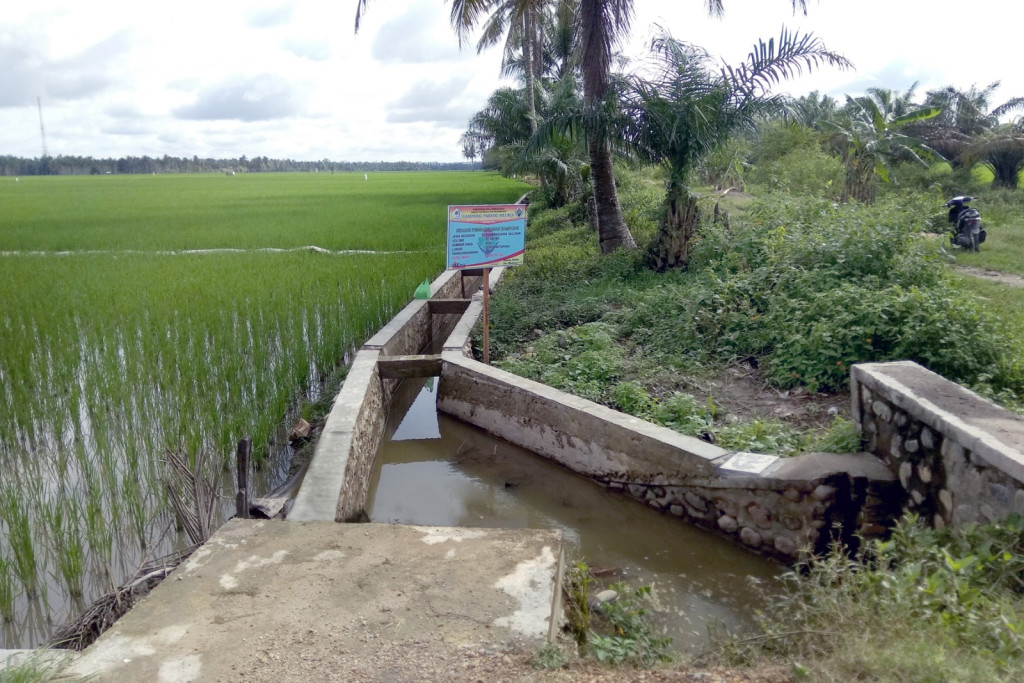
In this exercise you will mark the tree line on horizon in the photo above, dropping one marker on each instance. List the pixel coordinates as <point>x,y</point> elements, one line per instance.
<point>146,165</point>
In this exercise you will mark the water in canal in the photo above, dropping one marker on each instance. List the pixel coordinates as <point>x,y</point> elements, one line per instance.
<point>437,471</point>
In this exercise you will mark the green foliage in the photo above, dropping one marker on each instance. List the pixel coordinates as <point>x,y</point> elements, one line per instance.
<point>38,667</point>
<point>684,413</point>
<point>548,658</point>
<point>923,605</point>
<point>617,633</point>
<point>7,592</point>
<point>812,287</point>
<point>790,158</point>
<point>801,172</point>
<point>576,586</point>
<point>762,436</point>
<point>583,360</point>
<point>632,398</point>
<point>623,634</point>
<point>726,165</point>
<point>842,436</point>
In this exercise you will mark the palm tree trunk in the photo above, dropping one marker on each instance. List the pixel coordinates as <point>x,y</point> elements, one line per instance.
<point>682,218</point>
<point>612,232</point>
<point>528,41</point>
<point>597,33</point>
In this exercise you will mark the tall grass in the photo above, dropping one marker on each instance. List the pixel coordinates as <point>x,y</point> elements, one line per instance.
<point>126,346</point>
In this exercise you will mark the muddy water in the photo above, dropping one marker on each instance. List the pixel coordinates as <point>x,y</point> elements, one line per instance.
<point>434,470</point>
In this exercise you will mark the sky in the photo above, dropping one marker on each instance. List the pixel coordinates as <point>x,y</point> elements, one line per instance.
<point>291,79</point>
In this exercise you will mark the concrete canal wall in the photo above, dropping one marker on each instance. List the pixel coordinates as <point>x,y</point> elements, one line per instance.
<point>920,457</point>
<point>335,486</point>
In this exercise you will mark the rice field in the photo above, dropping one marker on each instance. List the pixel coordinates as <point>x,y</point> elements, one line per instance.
<point>147,314</point>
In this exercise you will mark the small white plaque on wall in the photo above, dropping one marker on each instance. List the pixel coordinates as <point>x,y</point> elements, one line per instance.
<point>750,463</point>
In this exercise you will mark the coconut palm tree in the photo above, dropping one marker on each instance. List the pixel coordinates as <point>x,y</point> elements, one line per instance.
<point>501,128</point>
<point>691,106</point>
<point>601,25</point>
<point>556,56</point>
<point>516,21</point>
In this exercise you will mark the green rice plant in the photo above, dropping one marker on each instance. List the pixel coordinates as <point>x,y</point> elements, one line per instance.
<point>7,592</point>
<point>274,210</point>
<point>147,339</point>
<point>41,666</point>
<point>19,536</point>
<point>62,520</point>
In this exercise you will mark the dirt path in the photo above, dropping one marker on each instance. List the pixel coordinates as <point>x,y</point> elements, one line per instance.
<point>995,276</point>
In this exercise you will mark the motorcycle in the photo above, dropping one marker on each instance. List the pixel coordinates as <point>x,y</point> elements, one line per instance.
<point>966,222</point>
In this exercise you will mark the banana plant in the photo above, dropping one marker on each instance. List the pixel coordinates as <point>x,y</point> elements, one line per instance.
<point>872,140</point>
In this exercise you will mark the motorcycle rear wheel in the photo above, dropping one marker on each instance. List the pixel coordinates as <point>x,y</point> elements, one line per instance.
<point>974,241</point>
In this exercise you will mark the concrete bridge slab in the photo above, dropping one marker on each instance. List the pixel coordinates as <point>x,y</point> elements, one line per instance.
<point>264,600</point>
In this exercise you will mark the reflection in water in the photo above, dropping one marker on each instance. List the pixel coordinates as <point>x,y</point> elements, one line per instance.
<point>435,470</point>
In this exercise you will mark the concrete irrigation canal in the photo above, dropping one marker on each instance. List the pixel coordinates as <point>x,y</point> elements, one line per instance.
<point>317,594</point>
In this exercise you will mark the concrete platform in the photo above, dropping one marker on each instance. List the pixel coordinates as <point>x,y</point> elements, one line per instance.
<point>264,598</point>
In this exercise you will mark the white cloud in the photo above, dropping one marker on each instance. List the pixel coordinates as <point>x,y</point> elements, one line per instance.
<point>288,78</point>
<point>430,101</point>
<point>313,50</point>
<point>418,36</point>
<point>246,98</point>
<point>270,17</point>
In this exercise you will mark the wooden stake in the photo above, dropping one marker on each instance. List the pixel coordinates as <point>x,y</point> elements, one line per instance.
<point>487,319</point>
<point>242,464</point>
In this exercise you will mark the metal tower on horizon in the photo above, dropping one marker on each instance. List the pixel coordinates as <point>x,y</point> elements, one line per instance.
<point>42,130</point>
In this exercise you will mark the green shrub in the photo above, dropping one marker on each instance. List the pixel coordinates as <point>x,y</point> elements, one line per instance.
<point>842,436</point>
<point>802,287</point>
<point>631,398</point>
<point>622,633</point>
<point>925,605</point>
<point>762,436</point>
<point>801,172</point>
<point>685,414</point>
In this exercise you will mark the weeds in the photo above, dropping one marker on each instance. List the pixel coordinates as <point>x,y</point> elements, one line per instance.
<point>549,657</point>
<point>39,667</point>
<point>616,633</point>
<point>923,605</point>
<point>801,288</point>
<point>623,634</point>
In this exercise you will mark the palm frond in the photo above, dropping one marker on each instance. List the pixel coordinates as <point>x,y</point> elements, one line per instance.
<point>769,63</point>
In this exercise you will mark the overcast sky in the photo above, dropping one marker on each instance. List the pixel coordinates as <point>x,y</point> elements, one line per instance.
<point>288,78</point>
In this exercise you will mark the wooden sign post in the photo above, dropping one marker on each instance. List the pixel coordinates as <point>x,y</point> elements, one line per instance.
<point>487,316</point>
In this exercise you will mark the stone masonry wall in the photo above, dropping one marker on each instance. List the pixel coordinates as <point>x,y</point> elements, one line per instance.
<point>957,456</point>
